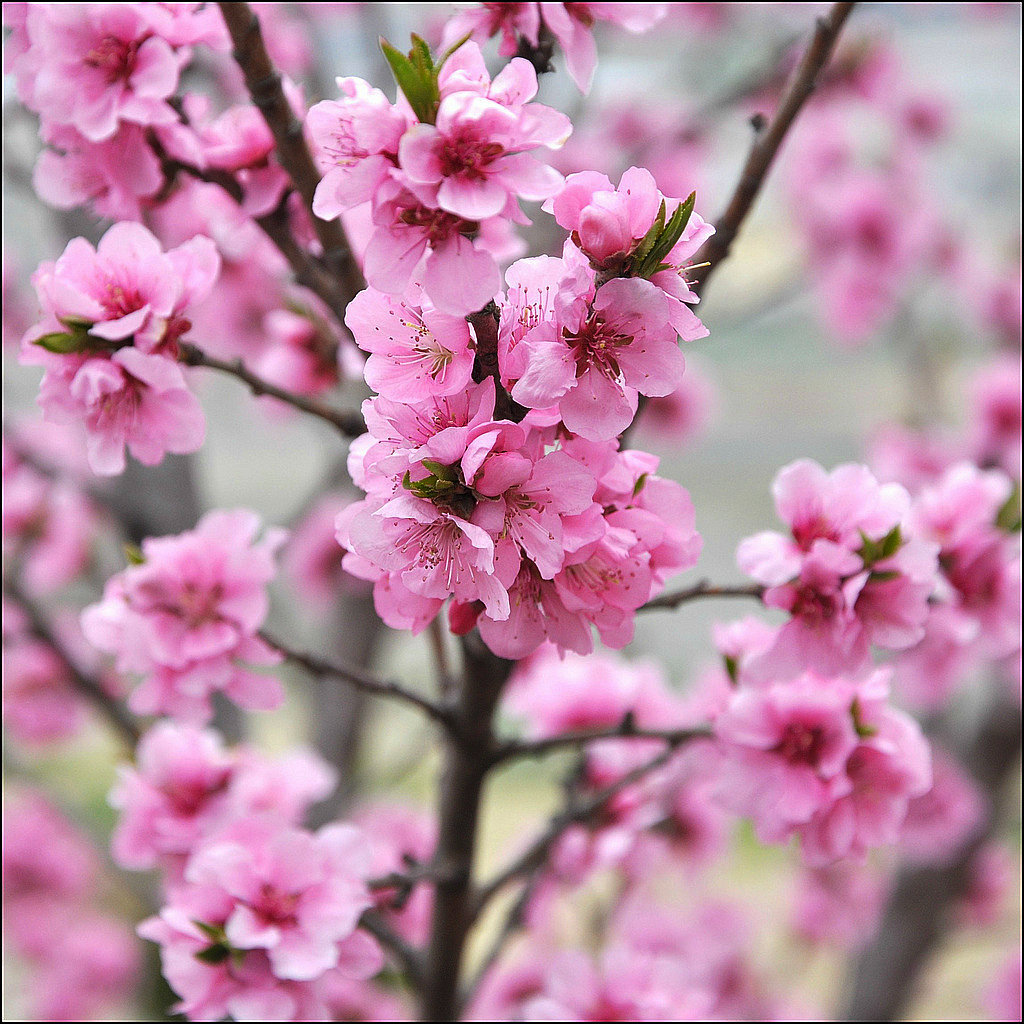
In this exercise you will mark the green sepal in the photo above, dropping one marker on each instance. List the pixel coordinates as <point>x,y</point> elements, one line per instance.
<point>640,484</point>
<point>872,551</point>
<point>213,955</point>
<point>214,932</point>
<point>134,556</point>
<point>75,323</point>
<point>1008,517</point>
<point>883,577</point>
<point>732,668</point>
<point>860,727</point>
<point>64,343</point>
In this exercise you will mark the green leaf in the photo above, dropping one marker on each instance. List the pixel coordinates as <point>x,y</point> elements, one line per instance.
<point>1009,516</point>
<point>892,542</point>
<point>63,343</point>
<point>647,243</point>
<point>211,931</point>
<point>667,237</point>
<point>442,60</point>
<point>639,485</point>
<point>416,77</point>
<point>75,323</point>
<point>732,668</point>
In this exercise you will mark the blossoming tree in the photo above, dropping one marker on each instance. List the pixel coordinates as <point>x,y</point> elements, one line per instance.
<point>377,239</point>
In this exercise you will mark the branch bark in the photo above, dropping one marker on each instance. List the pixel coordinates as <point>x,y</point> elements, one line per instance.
<point>91,688</point>
<point>263,81</point>
<point>348,424</point>
<point>917,914</point>
<point>466,760</point>
<point>362,681</point>
<point>767,142</point>
<point>698,590</point>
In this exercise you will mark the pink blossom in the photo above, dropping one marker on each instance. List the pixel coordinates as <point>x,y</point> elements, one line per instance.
<point>414,352</point>
<point>295,895</point>
<point>846,574</point>
<point>355,143</point>
<point>838,904</point>
<point>995,392</point>
<point>940,821</point>
<point>475,152</point>
<point>1003,995</point>
<point>100,65</point>
<point>571,25</point>
<point>40,701</point>
<point>993,873</point>
<point>313,557</point>
<point>187,617</point>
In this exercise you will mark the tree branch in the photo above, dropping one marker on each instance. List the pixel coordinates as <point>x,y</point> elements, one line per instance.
<point>263,81</point>
<point>466,761</point>
<point>115,712</point>
<point>917,914</point>
<point>410,959</point>
<point>626,729</point>
<point>767,142</point>
<point>698,590</point>
<point>536,854</point>
<point>348,424</point>
<point>362,681</point>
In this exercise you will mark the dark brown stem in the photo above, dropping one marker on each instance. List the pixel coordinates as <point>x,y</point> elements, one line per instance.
<point>408,958</point>
<point>466,760</point>
<point>263,81</point>
<point>918,912</point>
<point>579,811</point>
<point>702,589</point>
<point>91,688</point>
<point>515,749</point>
<point>767,142</point>
<point>349,424</point>
<point>362,681</point>
<point>485,328</point>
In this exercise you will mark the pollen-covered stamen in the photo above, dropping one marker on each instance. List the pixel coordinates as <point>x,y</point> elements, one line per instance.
<point>439,225</point>
<point>595,345</point>
<point>464,154</point>
<point>114,57</point>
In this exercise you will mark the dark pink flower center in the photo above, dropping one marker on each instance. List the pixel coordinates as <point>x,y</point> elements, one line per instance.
<point>807,531</point>
<point>114,58</point>
<point>438,225</point>
<point>198,604</point>
<point>464,154</point>
<point>815,606</point>
<point>595,345</point>
<point>274,906</point>
<point>187,796</point>
<point>801,743</point>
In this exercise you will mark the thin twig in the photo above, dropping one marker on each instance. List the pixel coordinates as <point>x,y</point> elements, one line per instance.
<point>767,142</point>
<point>361,680</point>
<point>112,709</point>
<point>409,958</point>
<point>439,652</point>
<point>347,423</point>
<point>535,856</point>
<point>625,730</point>
<point>702,589</point>
<point>263,81</point>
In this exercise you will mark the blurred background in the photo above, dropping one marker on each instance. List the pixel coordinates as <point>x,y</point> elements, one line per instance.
<point>807,357</point>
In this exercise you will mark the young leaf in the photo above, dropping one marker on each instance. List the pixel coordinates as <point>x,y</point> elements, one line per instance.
<point>62,343</point>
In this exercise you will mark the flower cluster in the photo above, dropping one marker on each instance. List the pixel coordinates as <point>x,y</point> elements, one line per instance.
<point>534,536</point>
<point>442,171</point>
<point>260,915</point>
<point>187,616</point>
<point>113,318</point>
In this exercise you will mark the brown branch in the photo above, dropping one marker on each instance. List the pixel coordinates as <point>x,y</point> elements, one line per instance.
<point>263,81</point>
<point>485,330</point>
<point>349,424</point>
<point>361,681</point>
<point>767,142</point>
<point>917,914</point>
<point>410,959</point>
<point>625,730</point>
<point>466,760</point>
<point>702,589</point>
<point>91,688</point>
<point>536,854</point>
